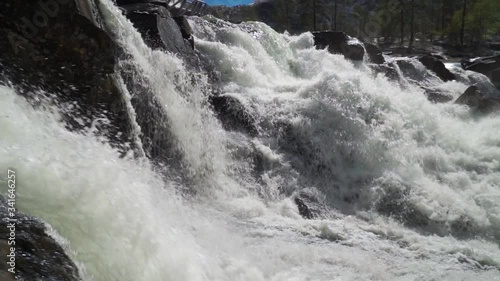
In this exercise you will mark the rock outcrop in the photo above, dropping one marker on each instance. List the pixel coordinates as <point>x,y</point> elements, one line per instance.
<point>494,76</point>
<point>482,65</point>
<point>49,51</point>
<point>435,65</point>
<point>474,98</point>
<point>37,255</point>
<point>48,47</point>
<point>160,30</point>
<point>374,53</point>
<point>339,43</point>
<point>233,114</point>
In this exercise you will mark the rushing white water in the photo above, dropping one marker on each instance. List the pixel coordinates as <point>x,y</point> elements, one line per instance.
<point>372,149</point>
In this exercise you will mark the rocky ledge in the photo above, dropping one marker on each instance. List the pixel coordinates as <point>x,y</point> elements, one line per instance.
<point>38,256</point>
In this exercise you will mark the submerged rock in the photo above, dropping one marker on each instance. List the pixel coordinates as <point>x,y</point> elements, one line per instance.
<point>478,100</point>
<point>438,67</point>
<point>63,53</point>
<point>233,114</point>
<point>339,43</point>
<point>161,31</point>
<point>483,65</point>
<point>438,97</point>
<point>387,69</point>
<point>374,53</point>
<point>495,77</point>
<point>38,256</point>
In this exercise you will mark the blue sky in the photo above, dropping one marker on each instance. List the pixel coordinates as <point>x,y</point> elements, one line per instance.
<point>228,2</point>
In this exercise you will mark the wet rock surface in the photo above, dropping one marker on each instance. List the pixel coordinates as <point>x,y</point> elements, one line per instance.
<point>48,47</point>
<point>233,114</point>
<point>38,255</point>
<point>158,28</point>
<point>339,43</point>
<point>482,65</point>
<point>477,99</point>
<point>374,53</point>
<point>437,66</point>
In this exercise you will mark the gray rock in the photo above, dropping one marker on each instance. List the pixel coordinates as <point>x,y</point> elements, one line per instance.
<point>483,65</point>
<point>438,67</point>
<point>495,77</point>
<point>374,53</point>
<point>339,43</point>
<point>66,55</point>
<point>161,31</point>
<point>474,98</point>
<point>38,256</point>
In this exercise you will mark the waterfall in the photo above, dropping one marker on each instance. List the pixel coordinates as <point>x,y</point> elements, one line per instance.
<point>409,185</point>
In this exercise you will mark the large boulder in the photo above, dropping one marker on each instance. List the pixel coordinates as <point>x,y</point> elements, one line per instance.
<point>374,53</point>
<point>161,31</point>
<point>339,43</point>
<point>482,65</point>
<point>233,114</point>
<point>475,98</point>
<point>438,67</point>
<point>37,255</point>
<point>387,69</point>
<point>495,77</point>
<point>47,48</point>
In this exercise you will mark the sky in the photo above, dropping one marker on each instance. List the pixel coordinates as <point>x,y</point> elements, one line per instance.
<point>228,2</point>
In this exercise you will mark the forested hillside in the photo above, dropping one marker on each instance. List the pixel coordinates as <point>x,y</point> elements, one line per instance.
<point>458,22</point>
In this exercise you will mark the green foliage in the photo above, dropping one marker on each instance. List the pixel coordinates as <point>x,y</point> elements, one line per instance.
<point>392,19</point>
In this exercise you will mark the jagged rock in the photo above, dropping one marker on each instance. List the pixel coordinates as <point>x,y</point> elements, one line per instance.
<point>482,65</point>
<point>130,2</point>
<point>187,32</point>
<point>304,211</point>
<point>374,53</point>
<point>233,114</point>
<point>49,46</point>
<point>438,97</point>
<point>160,30</point>
<point>438,67</point>
<point>404,51</point>
<point>37,255</point>
<point>339,43</point>
<point>387,69</point>
<point>478,100</point>
<point>495,77</point>
<point>309,204</point>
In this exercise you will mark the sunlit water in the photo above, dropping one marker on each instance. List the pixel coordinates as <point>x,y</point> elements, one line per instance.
<point>326,126</point>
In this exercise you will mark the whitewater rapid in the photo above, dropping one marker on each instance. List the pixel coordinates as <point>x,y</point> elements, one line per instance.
<point>412,188</point>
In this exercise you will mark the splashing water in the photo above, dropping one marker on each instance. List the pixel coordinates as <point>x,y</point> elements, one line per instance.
<point>411,186</point>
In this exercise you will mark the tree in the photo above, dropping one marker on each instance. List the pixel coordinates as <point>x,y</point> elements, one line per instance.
<point>412,24</point>
<point>462,31</point>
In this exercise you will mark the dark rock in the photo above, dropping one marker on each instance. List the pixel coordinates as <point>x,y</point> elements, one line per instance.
<point>495,77</point>
<point>438,97</point>
<point>187,32</point>
<point>410,71</point>
<point>38,256</point>
<point>404,51</point>
<point>482,65</point>
<point>438,67</point>
<point>374,53</point>
<point>233,114</point>
<point>339,43</point>
<point>130,2</point>
<point>304,211</point>
<point>160,31</point>
<point>477,100</point>
<point>57,52</point>
<point>310,204</point>
<point>387,69</point>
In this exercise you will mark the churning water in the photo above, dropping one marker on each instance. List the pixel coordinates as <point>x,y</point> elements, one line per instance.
<point>408,189</point>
